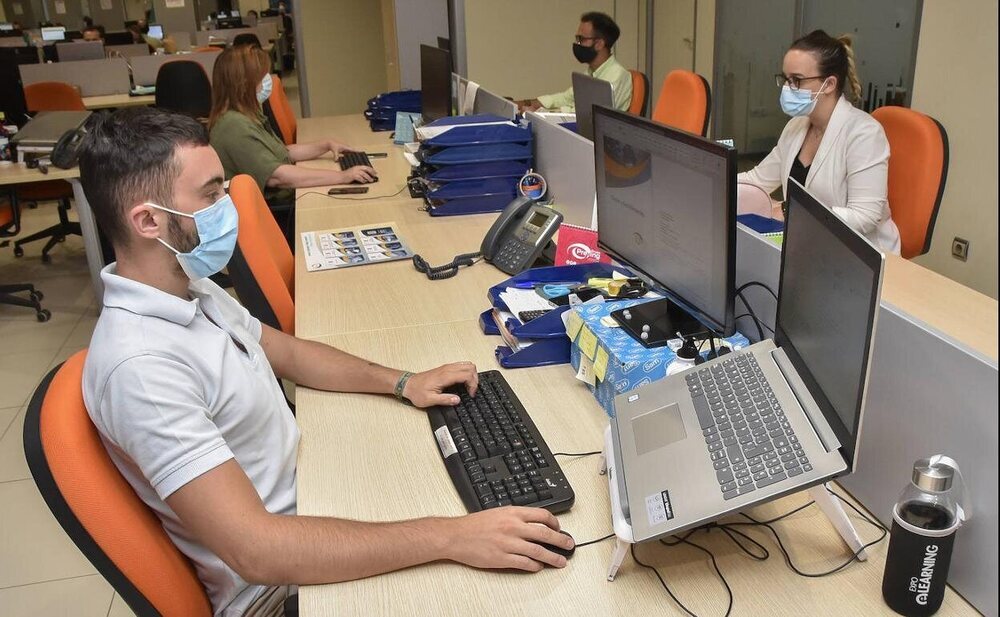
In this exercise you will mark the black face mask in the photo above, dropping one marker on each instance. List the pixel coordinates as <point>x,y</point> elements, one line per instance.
<point>584,54</point>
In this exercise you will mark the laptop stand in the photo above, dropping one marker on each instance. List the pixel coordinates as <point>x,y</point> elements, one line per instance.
<point>830,505</point>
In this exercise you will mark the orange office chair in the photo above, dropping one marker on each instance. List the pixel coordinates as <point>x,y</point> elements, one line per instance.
<point>282,112</point>
<point>262,268</point>
<point>53,96</point>
<point>685,102</point>
<point>918,169</point>
<point>50,96</point>
<point>640,93</point>
<point>97,507</point>
<point>209,48</point>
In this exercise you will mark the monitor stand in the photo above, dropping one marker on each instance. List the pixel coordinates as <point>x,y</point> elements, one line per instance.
<point>654,323</point>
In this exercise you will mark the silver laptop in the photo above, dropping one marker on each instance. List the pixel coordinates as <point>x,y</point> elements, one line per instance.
<point>779,416</point>
<point>46,127</point>
<point>587,92</point>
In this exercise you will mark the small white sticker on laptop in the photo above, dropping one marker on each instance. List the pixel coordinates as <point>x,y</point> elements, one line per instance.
<point>445,442</point>
<point>658,508</point>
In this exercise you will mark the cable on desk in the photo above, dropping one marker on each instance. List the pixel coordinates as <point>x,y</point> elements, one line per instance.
<point>757,284</point>
<point>753,315</point>
<point>297,197</point>
<point>662,582</point>
<point>576,453</point>
<point>763,325</point>
<point>589,542</point>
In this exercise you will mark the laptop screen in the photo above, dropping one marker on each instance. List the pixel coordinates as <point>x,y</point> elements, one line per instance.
<point>829,295</point>
<point>55,33</point>
<point>155,31</point>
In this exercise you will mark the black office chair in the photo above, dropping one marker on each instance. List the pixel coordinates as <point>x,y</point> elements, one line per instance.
<point>183,86</point>
<point>247,38</point>
<point>10,226</point>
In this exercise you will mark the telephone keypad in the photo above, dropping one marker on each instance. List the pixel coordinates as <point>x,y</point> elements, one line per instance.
<point>513,253</point>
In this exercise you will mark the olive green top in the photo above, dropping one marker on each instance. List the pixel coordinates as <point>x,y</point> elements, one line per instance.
<point>249,146</point>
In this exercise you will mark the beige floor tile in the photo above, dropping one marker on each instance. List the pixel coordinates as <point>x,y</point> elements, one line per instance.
<point>33,547</point>
<point>6,417</point>
<point>19,374</point>
<point>12,464</point>
<point>119,608</point>
<point>87,596</point>
<point>21,331</point>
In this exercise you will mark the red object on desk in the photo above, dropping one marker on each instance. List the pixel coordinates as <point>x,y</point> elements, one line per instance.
<point>578,245</point>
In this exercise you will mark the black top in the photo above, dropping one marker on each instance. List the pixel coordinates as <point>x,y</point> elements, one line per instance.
<point>799,171</point>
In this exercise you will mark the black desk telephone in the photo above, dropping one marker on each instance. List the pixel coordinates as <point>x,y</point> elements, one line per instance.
<point>518,237</point>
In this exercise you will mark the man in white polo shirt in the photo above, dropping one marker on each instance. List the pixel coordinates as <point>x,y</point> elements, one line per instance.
<point>180,380</point>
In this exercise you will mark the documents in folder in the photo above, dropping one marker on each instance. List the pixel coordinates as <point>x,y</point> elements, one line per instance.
<point>353,246</point>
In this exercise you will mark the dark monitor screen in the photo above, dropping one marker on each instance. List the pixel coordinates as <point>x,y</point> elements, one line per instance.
<point>829,293</point>
<point>444,43</point>
<point>666,208</point>
<point>118,38</point>
<point>435,82</point>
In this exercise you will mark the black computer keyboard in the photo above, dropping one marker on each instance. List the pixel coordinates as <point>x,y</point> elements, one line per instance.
<point>493,452</point>
<point>353,159</point>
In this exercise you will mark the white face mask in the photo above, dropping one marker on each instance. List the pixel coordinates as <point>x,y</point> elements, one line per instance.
<point>266,86</point>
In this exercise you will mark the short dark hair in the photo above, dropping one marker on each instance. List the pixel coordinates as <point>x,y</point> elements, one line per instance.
<point>129,157</point>
<point>604,26</point>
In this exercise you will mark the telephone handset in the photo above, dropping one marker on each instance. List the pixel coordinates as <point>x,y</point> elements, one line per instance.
<point>520,234</point>
<point>66,151</point>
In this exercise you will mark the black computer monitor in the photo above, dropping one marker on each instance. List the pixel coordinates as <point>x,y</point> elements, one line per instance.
<point>118,38</point>
<point>444,43</point>
<point>435,82</point>
<point>666,209</point>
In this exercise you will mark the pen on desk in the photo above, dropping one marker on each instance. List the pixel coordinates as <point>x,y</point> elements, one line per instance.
<point>533,284</point>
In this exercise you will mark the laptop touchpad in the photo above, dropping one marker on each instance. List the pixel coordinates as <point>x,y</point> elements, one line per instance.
<point>658,428</point>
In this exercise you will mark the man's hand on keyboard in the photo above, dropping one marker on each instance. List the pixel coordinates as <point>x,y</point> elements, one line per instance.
<point>337,148</point>
<point>508,538</point>
<point>428,388</point>
<point>360,174</point>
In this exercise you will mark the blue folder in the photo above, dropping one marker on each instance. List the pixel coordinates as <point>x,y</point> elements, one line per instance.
<point>460,155</point>
<point>479,171</point>
<point>480,204</point>
<point>761,224</point>
<point>480,134</point>
<point>474,188</point>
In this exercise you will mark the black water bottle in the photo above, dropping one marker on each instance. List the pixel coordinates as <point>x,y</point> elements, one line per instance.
<point>924,522</point>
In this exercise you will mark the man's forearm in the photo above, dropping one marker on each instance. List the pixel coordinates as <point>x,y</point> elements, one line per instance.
<point>305,550</point>
<point>323,367</point>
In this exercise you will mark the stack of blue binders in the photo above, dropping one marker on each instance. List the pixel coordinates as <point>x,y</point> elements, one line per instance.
<point>474,169</point>
<point>381,110</point>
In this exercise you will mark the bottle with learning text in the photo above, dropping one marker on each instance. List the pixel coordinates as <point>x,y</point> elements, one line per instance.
<point>924,523</point>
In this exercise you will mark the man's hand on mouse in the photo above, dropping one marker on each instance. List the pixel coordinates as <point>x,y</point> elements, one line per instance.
<point>428,388</point>
<point>507,538</point>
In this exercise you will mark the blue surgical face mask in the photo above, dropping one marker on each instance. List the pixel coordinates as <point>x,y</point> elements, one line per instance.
<point>799,102</point>
<point>266,85</point>
<point>217,227</point>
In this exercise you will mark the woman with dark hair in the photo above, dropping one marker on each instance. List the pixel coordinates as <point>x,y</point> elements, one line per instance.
<point>836,151</point>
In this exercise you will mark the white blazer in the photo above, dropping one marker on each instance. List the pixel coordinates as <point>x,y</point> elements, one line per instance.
<point>849,175</point>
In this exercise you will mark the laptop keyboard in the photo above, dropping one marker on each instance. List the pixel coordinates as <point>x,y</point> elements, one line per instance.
<point>749,439</point>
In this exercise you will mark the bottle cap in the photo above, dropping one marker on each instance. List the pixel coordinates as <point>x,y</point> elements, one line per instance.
<point>932,475</point>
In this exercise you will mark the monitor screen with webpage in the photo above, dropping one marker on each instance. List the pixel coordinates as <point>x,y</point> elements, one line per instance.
<point>54,33</point>
<point>666,208</point>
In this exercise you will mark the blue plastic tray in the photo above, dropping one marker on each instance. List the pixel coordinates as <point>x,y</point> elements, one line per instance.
<point>459,155</point>
<point>470,205</point>
<point>480,134</point>
<point>479,171</point>
<point>475,188</point>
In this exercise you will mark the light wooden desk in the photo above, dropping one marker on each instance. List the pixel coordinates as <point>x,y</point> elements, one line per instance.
<point>109,101</point>
<point>352,130</point>
<point>18,173</point>
<point>372,458</point>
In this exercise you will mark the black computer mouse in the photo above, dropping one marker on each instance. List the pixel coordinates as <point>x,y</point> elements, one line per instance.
<point>558,550</point>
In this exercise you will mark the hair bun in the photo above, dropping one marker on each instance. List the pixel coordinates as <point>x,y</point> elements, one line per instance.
<point>846,40</point>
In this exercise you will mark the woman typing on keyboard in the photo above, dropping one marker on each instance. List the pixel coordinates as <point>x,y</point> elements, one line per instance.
<point>246,144</point>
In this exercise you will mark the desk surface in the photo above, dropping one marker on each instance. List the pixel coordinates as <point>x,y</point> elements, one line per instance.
<point>389,314</point>
<point>17,173</point>
<point>118,100</point>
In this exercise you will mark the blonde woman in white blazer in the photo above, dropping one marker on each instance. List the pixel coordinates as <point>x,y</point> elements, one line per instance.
<point>838,152</point>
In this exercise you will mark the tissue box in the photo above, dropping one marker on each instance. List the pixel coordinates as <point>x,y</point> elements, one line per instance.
<point>620,363</point>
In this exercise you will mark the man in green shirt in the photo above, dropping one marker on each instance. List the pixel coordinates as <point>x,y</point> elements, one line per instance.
<point>595,38</point>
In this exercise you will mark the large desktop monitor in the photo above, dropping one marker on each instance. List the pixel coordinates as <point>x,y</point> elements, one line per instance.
<point>666,208</point>
<point>435,82</point>
<point>54,33</point>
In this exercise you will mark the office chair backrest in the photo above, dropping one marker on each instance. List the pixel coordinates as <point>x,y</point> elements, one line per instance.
<point>284,116</point>
<point>208,48</point>
<point>262,268</point>
<point>53,96</point>
<point>640,93</point>
<point>685,102</point>
<point>9,223</point>
<point>918,169</point>
<point>183,86</point>
<point>97,508</point>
